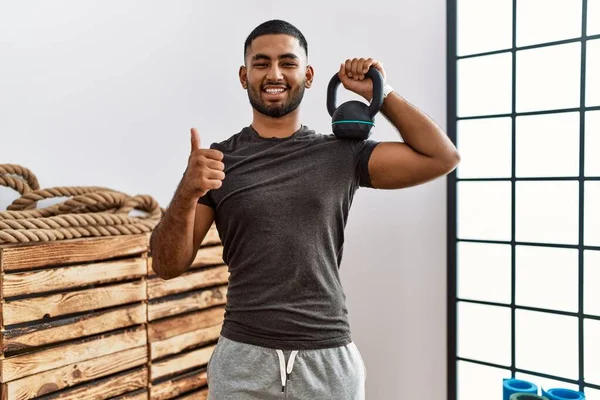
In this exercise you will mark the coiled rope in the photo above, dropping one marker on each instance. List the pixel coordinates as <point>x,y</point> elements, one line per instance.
<point>89,212</point>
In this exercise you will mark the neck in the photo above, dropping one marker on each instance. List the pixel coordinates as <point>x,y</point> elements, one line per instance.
<point>269,127</point>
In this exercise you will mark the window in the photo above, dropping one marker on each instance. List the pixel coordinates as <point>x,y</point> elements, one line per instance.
<point>524,204</point>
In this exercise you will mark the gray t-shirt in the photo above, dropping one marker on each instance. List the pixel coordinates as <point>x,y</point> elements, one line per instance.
<point>281,214</point>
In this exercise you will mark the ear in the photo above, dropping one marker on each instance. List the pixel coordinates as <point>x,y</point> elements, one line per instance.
<point>309,76</point>
<point>243,76</point>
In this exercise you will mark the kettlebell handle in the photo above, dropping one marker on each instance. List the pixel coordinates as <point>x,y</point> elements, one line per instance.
<point>376,101</point>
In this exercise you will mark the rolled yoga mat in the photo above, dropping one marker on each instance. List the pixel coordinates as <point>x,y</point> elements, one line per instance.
<point>512,386</point>
<point>563,394</point>
<point>526,396</point>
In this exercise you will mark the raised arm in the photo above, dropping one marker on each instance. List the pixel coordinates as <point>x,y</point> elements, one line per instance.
<point>426,154</point>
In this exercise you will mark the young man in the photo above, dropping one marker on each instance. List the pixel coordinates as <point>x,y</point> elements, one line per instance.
<point>280,194</point>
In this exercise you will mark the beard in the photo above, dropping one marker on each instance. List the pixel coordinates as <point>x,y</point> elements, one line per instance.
<point>279,109</point>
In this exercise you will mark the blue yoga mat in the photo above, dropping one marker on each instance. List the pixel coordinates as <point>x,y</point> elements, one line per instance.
<point>512,386</point>
<point>526,396</point>
<point>563,394</point>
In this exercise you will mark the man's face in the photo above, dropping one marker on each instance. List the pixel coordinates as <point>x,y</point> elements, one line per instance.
<point>276,74</point>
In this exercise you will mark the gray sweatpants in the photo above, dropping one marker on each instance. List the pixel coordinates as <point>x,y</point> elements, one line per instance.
<point>238,371</point>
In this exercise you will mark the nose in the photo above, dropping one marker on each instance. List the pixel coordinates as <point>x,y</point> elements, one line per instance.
<point>274,73</point>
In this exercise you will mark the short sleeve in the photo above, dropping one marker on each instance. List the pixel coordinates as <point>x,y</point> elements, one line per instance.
<point>207,200</point>
<point>362,150</point>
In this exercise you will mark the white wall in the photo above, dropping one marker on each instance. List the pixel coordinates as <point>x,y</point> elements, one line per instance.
<point>104,94</point>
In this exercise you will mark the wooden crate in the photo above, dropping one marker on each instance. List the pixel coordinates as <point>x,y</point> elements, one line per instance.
<point>185,316</point>
<point>73,319</point>
<point>89,319</point>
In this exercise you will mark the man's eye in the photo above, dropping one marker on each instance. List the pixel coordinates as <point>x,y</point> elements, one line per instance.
<point>260,65</point>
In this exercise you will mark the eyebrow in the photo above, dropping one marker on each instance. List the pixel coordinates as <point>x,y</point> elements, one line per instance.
<point>261,56</point>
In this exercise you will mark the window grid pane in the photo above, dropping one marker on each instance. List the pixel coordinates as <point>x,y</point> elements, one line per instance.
<point>537,67</point>
<point>552,185</point>
<point>561,19</point>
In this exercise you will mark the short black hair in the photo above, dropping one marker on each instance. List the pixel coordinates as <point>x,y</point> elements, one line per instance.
<point>273,27</point>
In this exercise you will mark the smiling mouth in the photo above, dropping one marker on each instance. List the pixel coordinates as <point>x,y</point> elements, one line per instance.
<point>274,91</point>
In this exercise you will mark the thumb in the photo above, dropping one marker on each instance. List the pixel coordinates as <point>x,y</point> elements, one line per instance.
<point>195,139</point>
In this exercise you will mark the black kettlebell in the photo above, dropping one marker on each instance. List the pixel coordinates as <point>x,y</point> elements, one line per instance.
<point>354,119</point>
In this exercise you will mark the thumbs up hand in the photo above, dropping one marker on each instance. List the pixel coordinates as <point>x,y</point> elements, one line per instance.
<point>204,171</point>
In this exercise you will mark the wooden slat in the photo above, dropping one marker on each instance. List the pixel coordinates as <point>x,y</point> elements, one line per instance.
<point>71,375</point>
<point>137,395</point>
<point>48,280</point>
<point>188,281</point>
<point>212,255</point>
<point>212,237</point>
<point>183,362</point>
<point>206,256</point>
<point>191,302</point>
<point>176,386</point>
<point>55,305</point>
<point>23,365</point>
<point>170,327</point>
<point>184,342</point>
<point>73,328</point>
<point>26,256</point>
<point>199,395</point>
<point>106,388</point>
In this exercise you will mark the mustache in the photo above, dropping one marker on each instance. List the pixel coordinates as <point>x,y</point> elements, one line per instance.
<point>275,84</point>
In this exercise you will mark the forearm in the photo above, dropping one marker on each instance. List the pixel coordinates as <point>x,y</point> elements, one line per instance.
<point>172,241</point>
<point>419,131</point>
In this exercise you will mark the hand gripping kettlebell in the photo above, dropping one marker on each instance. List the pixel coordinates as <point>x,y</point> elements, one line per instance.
<point>354,119</point>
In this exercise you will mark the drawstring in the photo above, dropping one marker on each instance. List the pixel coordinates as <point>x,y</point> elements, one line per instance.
<point>285,376</point>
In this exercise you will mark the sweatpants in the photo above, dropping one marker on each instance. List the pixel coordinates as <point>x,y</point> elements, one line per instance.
<point>239,371</point>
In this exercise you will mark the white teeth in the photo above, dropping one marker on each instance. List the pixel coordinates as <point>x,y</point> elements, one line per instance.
<point>274,91</point>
